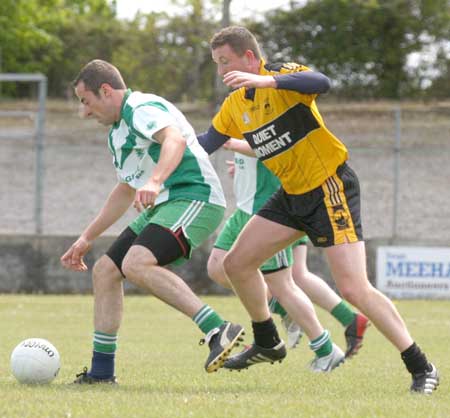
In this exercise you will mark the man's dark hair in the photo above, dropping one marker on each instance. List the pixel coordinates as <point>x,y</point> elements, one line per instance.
<point>97,72</point>
<point>238,38</point>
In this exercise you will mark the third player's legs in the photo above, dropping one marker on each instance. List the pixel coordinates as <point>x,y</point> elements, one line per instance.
<point>294,301</point>
<point>215,267</point>
<point>317,289</point>
<point>259,241</point>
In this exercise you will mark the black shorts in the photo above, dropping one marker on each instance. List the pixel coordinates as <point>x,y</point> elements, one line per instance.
<point>166,245</point>
<point>329,214</point>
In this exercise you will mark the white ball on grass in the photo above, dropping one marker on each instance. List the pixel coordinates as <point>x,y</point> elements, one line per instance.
<point>35,361</point>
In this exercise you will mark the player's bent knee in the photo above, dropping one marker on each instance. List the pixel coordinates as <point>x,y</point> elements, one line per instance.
<point>137,261</point>
<point>131,269</point>
<point>229,265</point>
<point>234,266</point>
<point>355,294</point>
<point>215,270</point>
<point>212,269</point>
<point>217,274</point>
<point>104,268</point>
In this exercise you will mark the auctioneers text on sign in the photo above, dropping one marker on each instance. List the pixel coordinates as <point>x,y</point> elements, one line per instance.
<point>414,272</point>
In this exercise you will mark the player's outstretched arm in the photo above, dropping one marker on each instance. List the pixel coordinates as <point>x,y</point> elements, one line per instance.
<point>237,79</point>
<point>306,82</point>
<point>119,200</point>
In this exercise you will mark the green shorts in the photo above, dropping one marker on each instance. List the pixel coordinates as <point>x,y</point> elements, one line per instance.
<point>302,241</point>
<point>232,229</point>
<point>197,219</point>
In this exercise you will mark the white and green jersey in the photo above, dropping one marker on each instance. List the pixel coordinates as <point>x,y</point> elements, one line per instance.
<point>253,183</point>
<point>136,153</point>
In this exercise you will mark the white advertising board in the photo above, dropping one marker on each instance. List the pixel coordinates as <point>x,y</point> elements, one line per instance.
<point>414,272</point>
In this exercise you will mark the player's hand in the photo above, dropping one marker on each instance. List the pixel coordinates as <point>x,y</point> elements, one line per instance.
<point>232,144</point>
<point>231,168</point>
<point>146,196</point>
<point>237,79</point>
<point>73,257</point>
<point>228,145</point>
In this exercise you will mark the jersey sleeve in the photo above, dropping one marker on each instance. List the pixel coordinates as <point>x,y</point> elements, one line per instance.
<point>212,140</point>
<point>307,82</point>
<point>224,122</point>
<point>151,118</point>
<point>292,67</point>
<point>282,71</point>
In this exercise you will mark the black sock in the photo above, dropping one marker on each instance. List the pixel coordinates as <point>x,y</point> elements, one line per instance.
<point>266,334</point>
<point>415,361</point>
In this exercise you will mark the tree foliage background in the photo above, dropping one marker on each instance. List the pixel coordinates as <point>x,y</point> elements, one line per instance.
<point>362,45</point>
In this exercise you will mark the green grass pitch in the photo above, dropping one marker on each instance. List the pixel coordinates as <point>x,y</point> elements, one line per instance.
<point>160,367</point>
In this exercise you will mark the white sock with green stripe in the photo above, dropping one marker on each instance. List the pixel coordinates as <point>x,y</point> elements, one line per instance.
<point>105,343</point>
<point>105,346</point>
<point>276,308</point>
<point>322,345</point>
<point>207,319</point>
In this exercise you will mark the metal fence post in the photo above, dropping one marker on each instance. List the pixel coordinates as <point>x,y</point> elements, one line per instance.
<point>397,146</point>
<point>38,135</point>
<point>39,169</point>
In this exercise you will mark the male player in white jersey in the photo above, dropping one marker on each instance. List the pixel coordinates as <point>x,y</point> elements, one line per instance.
<point>164,172</point>
<point>253,185</point>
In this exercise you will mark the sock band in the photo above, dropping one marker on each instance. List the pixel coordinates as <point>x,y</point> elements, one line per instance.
<point>207,319</point>
<point>343,313</point>
<point>105,343</point>
<point>275,307</point>
<point>202,314</point>
<point>322,345</point>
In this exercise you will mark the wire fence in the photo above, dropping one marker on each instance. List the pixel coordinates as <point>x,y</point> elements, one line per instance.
<point>38,116</point>
<point>401,153</point>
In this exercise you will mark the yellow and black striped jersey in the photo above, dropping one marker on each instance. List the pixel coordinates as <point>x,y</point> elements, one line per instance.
<point>286,131</point>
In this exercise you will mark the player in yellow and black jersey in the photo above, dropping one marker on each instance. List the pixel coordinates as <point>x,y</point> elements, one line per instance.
<point>284,128</point>
<point>273,108</point>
